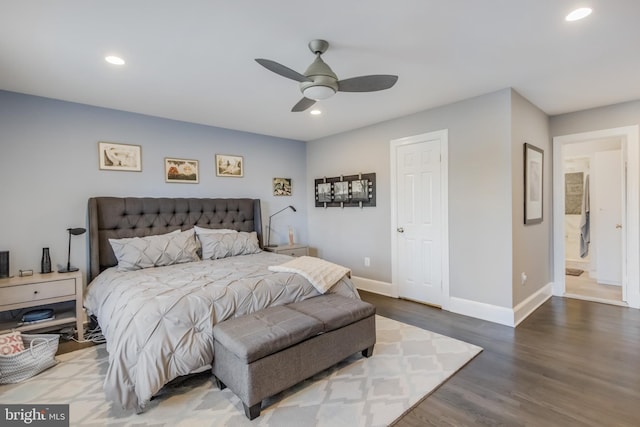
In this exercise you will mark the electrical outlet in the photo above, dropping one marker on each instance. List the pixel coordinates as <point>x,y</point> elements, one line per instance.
<point>367,261</point>
<point>523,278</point>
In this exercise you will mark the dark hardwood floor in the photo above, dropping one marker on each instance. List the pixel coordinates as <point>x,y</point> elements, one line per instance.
<point>571,363</point>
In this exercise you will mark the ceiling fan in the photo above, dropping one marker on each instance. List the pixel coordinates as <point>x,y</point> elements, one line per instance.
<point>320,82</point>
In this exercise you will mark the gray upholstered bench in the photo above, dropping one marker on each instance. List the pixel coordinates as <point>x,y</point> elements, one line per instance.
<point>264,353</point>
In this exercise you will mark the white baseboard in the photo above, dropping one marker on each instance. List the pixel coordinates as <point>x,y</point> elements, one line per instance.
<point>479,310</point>
<point>609,282</point>
<point>375,286</point>
<point>529,305</point>
<point>633,297</point>
<point>502,315</point>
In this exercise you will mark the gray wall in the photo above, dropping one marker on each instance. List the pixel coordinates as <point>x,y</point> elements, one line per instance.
<point>49,153</point>
<point>613,116</point>
<point>480,186</point>
<point>49,149</point>
<point>532,244</point>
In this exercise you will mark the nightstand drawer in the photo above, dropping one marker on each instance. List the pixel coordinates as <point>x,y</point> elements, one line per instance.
<point>37,291</point>
<point>294,252</point>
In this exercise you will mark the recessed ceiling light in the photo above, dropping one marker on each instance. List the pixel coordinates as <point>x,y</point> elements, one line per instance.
<point>315,112</point>
<point>115,60</point>
<point>578,14</point>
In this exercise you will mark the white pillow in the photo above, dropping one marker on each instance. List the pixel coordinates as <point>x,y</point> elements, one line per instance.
<point>203,230</point>
<point>222,245</point>
<point>155,251</point>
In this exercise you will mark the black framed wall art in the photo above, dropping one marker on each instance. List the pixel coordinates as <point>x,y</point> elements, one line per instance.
<point>533,184</point>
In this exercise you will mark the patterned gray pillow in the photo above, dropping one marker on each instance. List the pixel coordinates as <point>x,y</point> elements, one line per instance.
<point>155,251</point>
<point>222,245</point>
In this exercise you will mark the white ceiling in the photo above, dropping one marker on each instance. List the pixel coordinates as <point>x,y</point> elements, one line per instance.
<point>194,60</point>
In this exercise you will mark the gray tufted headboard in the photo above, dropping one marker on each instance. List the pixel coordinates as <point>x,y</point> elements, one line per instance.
<point>119,217</point>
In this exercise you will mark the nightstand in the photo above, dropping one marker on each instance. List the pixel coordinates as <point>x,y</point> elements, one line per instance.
<point>291,250</point>
<point>40,291</point>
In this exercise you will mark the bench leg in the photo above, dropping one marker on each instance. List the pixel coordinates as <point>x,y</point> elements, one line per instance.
<point>367,352</point>
<point>219,383</point>
<point>252,411</point>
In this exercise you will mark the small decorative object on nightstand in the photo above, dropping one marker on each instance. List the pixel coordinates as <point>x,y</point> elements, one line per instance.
<point>4,264</point>
<point>45,262</point>
<point>291,250</point>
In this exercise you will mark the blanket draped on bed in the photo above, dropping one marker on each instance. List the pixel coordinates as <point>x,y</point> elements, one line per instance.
<point>322,274</point>
<point>158,322</point>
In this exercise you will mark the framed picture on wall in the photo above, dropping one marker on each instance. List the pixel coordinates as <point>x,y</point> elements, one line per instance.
<point>533,189</point>
<point>181,170</point>
<point>228,165</point>
<point>341,191</point>
<point>323,191</point>
<point>281,186</point>
<point>360,190</point>
<point>119,157</point>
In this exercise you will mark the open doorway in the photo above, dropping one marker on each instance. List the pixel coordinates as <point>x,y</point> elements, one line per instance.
<point>595,216</point>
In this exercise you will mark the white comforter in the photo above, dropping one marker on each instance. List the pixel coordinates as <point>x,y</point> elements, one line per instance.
<point>158,322</point>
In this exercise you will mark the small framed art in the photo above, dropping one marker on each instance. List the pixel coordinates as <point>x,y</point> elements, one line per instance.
<point>119,157</point>
<point>360,190</point>
<point>341,191</point>
<point>229,165</point>
<point>181,170</point>
<point>281,186</point>
<point>533,190</point>
<point>324,192</point>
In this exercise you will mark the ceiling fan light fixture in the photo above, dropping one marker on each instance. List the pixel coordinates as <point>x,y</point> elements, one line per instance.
<point>115,60</point>
<point>578,14</point>
<point>318,92</point>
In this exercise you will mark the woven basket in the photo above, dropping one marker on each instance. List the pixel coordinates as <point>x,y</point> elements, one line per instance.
<point>37,356</point>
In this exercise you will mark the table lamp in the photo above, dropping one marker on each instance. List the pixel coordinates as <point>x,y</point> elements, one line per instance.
<point>72,232</point>
<point>271,216</point>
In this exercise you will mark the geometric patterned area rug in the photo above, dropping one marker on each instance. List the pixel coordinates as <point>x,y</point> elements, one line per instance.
<point>408,363</point>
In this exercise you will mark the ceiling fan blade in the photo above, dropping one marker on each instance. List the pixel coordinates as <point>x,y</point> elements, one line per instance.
<point>302,105</point>
<point>367,83</point>
<point>282,70</point>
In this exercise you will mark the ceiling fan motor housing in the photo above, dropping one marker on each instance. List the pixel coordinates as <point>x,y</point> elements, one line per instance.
<point>324,81</point>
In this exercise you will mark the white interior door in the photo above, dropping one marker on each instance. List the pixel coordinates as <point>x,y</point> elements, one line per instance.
<point>419,221</point>
<point>607,190</point>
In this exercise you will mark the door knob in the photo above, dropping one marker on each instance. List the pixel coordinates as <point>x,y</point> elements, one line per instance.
<point>400,230</point>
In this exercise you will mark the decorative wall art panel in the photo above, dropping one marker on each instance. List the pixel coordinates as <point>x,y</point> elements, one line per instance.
<point>346,191</point>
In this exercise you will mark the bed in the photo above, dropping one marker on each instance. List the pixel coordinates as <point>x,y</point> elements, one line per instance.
<point>158,321</point>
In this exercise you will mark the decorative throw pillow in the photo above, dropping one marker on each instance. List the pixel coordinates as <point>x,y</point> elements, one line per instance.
<point>11,343</point>
<point>222,245</point>
<point>155,251</point>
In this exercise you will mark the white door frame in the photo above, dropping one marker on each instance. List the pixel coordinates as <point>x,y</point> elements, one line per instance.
<point>631,265</point>
<point>443,136</point>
